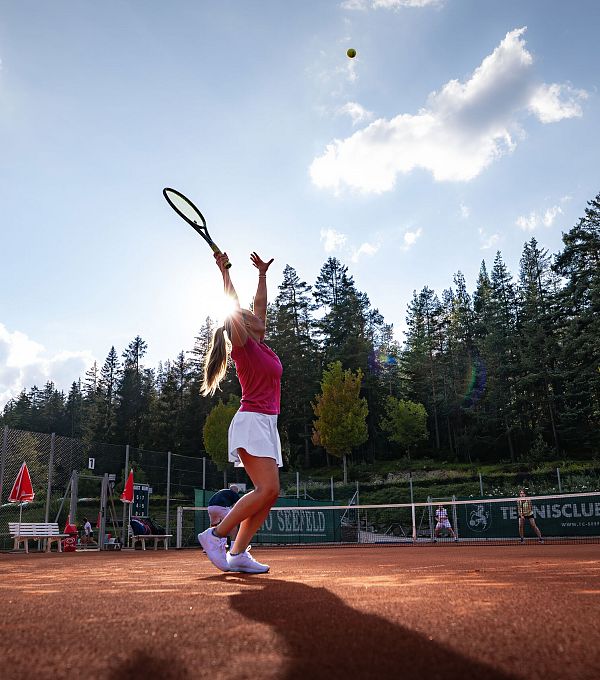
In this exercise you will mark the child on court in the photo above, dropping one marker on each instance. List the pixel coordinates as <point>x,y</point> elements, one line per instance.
<point>525,510</point>
<point>253,436</point>
<point>442,522</point>
<point>219,505</point>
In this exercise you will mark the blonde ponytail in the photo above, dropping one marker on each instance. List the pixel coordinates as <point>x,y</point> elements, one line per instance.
<point>215,363</point>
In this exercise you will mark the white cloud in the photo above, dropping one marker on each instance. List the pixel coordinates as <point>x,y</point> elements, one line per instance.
<point>410,238</point>
<point>25,362</point>
<point>387,4</point>
<point>465,211</point>
<point>332,240</point>
<point>395,4</point>
<point>552,103</point>
<point>536,219</point>
<point>357,112</point>
<point>463,128</point>
<point>488,240</point>
<point>550,215</point>
<point>364,249</point>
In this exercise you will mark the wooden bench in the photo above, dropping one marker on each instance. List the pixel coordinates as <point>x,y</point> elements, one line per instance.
<point>148,537</point>
<point>23,532</point>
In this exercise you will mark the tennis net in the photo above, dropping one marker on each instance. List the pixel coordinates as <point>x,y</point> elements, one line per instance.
<point>551,518</point>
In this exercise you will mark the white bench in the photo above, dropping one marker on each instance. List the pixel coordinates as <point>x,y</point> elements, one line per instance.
<point>23,532</point>
<point>148,537</point>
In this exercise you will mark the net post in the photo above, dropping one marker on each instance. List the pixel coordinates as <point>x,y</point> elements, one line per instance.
<point>480,485</point>
<point>332,498</point>
<point>125,530</point>
<point>412,509</point>
<point>297,484</point>
<point>455,516</point>
<point>179,527</point>
<point>559,482</point>
<point>167,520</point>
<point>430,514</point>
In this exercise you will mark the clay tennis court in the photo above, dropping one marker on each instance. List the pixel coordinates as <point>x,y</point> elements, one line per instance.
<point>442,612</point>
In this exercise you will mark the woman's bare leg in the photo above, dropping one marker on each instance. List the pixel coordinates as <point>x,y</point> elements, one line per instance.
<point>252,509</point>
<point>534,526</point>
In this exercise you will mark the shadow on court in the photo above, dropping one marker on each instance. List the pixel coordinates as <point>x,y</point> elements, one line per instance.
<point>326,638</point>
<point>142,665</point>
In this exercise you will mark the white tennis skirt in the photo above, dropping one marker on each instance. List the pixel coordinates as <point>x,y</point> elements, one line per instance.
<point>255,432</point>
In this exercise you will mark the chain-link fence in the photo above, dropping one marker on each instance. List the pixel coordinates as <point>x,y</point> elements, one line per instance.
<point>51,461</point>
<point>173,479</point>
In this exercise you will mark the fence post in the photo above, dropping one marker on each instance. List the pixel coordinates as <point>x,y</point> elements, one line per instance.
<point>204,472</point>
<point>103,504</point>
<point>49,488</point>
<point>74,496</point>
<point>125,532</point>
<point>297,484</point>
<point>332,498</point>
<point>480,485</point>
<point>412,503</point>
<point>168,489</point>
<point>179,526</point>
<point>3,459</point>
<point>558,477</point>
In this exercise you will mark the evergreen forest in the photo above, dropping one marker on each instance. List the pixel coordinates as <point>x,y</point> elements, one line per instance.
<point>508,371</point>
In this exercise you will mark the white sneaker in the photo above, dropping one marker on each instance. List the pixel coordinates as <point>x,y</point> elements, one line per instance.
<point>215,548</point>
<point>246,563</point>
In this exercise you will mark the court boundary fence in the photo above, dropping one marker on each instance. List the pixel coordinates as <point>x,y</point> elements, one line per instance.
<point>560,517</point>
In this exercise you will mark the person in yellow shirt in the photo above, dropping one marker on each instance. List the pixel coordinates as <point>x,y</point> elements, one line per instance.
<point>525,509</point>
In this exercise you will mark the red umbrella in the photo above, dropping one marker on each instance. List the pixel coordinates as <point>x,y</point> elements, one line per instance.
<point>127,495</point>
<point>22,490</point>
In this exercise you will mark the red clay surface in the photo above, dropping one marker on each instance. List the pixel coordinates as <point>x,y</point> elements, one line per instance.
<point>444,612</point>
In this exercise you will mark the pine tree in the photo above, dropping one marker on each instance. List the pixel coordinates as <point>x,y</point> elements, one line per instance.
<point>289,329</point>
<point>134,392</point>
<point>107,394</point>
<point>537,346</point>
<point>420,355</point>
<point>579,264</point>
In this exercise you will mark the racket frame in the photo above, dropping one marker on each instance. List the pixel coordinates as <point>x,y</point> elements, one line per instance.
<point>201,229</point>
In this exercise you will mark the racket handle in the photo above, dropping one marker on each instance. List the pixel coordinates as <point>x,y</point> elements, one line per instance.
<point>216,249</point>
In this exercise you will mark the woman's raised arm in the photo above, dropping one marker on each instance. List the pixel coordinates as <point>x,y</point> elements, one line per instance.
<point>260,299</point>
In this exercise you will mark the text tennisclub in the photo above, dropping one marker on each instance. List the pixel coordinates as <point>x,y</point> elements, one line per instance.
<point>555,510</point>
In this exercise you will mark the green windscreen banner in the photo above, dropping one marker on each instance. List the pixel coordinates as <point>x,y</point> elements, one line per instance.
<point>561,517</point>
<point>309,525</point>
<point>292,525</point>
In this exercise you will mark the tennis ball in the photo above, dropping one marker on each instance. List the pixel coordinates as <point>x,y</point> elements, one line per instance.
<point>351,53</point>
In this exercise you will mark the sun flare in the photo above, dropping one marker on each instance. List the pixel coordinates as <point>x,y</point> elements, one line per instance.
<point>224,306</point>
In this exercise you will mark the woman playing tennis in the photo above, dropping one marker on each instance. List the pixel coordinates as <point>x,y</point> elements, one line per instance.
<point>253,438</point>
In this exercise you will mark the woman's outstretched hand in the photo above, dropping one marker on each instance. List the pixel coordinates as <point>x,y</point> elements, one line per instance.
<point>259,264</point>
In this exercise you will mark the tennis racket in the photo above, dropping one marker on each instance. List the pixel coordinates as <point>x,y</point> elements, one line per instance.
<point>186,209</point>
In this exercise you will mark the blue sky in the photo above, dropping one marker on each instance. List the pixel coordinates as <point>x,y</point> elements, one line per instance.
<point>462,127</point>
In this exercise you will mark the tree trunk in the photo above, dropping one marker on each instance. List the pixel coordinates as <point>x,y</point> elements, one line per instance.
<point>306,447</point>
<point>509,440</point>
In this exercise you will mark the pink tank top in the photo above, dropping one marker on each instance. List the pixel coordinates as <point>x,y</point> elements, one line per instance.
<point>259,372</point>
